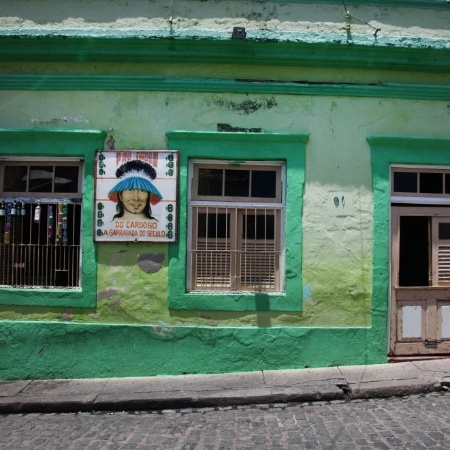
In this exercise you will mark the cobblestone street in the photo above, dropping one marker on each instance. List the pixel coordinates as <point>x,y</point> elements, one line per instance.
<point>416,422</point>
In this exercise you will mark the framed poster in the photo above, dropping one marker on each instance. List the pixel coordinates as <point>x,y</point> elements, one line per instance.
<point>136,195</point>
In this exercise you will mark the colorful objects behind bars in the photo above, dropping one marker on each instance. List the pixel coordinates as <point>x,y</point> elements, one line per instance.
<point>50,222</point>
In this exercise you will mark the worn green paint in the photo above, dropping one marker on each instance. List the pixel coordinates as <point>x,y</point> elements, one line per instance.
<point>128,296</point>
<point>82,143</point>
<point>434,4</point>
<point>132,331</point>
<point>158,84</point>
<point>71,350</point>
<point>347,304</point>
<point>266,48</point>
<point>148,75</point>
<point>337,294</point>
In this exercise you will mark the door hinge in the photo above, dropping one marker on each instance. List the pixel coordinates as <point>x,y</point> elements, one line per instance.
<point>431,344</point>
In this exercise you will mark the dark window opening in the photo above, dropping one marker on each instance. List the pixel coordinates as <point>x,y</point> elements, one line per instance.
<point>431,183</point>
<point>264,183</point>
<point>213,226</point>
<point>237,183</point>
<point>414,251</point>
<point>447,183</point>
<point>15,179</point>
<point>210,182</point>
<point>41,179</point>
<point>259,227</point>
<point>66,179</point>
<point>405,182</point>
<point>444,231</point>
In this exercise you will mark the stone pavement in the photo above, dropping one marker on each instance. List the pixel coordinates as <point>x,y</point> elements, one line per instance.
<point>247,388</point>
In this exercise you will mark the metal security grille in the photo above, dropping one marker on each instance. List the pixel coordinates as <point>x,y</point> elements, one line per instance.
<point>236,249</point>
<point>40,244</point>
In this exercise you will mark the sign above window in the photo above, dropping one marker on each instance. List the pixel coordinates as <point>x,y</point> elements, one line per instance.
<point>136,195</point>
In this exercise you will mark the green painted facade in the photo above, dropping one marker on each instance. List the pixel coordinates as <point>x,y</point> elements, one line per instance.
<point>338,113</point>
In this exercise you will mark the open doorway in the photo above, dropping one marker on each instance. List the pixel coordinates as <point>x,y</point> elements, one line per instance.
<point>420,280</point>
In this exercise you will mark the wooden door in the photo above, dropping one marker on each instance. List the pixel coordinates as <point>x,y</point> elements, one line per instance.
<point>420,281</point>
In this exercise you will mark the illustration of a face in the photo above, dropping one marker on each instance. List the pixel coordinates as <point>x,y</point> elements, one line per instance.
<point>134,200</point>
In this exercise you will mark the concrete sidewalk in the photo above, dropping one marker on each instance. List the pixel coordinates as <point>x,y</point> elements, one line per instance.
<point>194,391</point>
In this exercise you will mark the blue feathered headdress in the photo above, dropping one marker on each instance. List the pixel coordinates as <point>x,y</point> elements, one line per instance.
<point>135,174</point>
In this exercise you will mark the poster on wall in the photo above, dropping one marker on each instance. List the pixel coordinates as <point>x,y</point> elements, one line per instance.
<point>136,195</point>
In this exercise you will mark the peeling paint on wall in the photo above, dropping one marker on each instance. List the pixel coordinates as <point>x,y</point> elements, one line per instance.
<point>150,263</point>
<point>259,18</point>
<point>247,106</point>
<point>63,120</point>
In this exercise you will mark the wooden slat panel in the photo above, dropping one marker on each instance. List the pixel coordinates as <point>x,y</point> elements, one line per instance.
<point>422,293</point>
<point>213,264</point>
<point>234,249</point>
<point>444,264</point>
<point>258,263</point>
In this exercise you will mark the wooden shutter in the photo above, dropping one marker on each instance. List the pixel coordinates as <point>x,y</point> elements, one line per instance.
<point>259,266</point>
<point>212,264</point>
<point>441,251</point>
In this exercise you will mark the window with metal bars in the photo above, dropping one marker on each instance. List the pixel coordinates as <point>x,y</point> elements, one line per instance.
<point>236,212</point>
<point>40,223</point>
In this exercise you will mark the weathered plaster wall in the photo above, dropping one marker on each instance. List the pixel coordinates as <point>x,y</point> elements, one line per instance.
<point>340,323</point>
<point>264,19</point>
<point>337,247</point>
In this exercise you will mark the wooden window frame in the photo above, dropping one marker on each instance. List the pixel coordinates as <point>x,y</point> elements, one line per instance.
<point>247,165</point>
<point>42,161</point>
<point>237,208</point>
<point>418,170</point>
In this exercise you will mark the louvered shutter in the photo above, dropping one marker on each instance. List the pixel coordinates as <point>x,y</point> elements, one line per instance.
<point>212,262</point>
<point>441,251</point>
